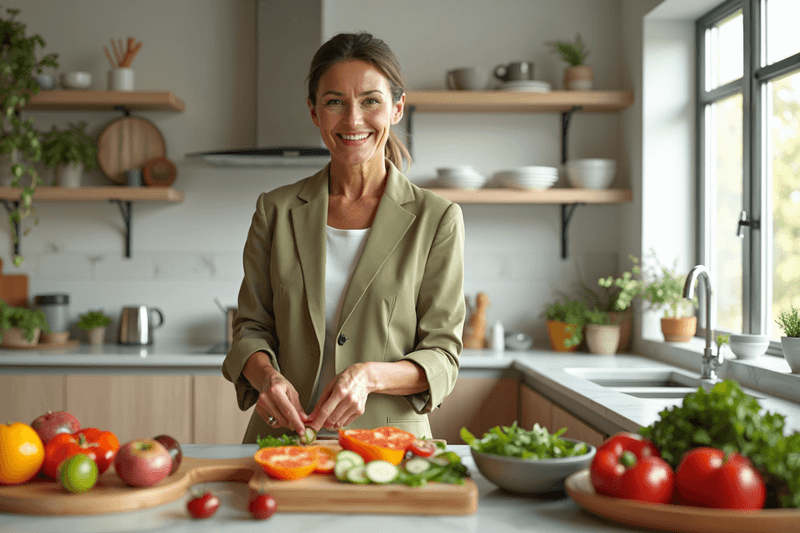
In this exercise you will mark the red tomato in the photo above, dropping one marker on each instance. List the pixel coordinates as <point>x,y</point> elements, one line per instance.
<point>203,506</point>
<point>650,480</point>
<point>629,466</point>
<point>262,505</point>
<point>706,477</point>
<point>106,446</point>
<point>423,448</point>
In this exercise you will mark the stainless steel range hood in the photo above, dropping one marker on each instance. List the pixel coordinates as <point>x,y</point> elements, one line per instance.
<point>288,34</point>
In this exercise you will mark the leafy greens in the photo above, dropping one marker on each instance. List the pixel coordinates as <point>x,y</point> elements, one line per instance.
<point>513,441</point>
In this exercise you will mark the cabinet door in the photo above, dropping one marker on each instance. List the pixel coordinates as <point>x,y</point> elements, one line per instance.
<point>217,418</point>
<point>133,406</point>
<point>535,408</point>
<point>23,397</point>
<point>478,404</point>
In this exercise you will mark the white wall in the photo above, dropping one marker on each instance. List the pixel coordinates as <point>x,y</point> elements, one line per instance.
<point>185,255</point>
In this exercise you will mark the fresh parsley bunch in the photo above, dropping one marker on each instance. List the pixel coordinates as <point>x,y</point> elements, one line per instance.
<point>271,442</point>
<point>513,441</point>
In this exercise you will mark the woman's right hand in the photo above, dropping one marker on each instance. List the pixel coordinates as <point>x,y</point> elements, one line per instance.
<point>277,396</point>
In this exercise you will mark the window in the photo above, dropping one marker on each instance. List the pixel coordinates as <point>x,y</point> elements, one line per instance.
<point>748,98</point>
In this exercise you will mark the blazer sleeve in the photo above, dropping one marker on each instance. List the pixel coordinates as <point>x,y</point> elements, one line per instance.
<point>254,324</point>
<point>441,311</point>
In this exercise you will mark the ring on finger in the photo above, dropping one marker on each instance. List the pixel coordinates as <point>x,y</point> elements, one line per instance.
<point>272,421</point>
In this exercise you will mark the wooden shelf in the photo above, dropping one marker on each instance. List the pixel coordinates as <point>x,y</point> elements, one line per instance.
<point>97,194</point>
<point>545,196</point>
<point>105,100</point>
<point>517,101</point>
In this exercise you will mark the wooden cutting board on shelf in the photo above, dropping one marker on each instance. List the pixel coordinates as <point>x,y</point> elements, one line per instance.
<point>128,143</point>
<point>13,288</point>
<point>313,494</point>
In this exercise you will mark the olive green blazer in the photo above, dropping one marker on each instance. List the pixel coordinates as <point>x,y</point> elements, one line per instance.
<point>405,300</point>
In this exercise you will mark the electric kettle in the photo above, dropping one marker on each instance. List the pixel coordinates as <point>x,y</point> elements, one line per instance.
<point>136,324</point>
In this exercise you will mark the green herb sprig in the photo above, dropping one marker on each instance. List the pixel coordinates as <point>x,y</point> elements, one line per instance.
<point>789,322</point>
<point>283,440</point>
<point>513,441</point>
<point>448,468</point>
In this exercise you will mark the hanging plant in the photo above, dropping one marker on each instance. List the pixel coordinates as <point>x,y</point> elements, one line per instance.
<point>18,66</point>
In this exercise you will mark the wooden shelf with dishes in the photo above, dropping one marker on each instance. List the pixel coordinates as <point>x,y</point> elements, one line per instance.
<point>97,194</point>
<point>544,196</point>
<point>66,100</point>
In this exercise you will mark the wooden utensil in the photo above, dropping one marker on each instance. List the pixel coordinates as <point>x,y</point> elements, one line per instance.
<point>13,288</point>
<point>127,143</point>
<point>159,172</point>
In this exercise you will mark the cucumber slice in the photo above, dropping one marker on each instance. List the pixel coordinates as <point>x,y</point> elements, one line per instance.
<point>381,471</point>
<point>308,436</point>
<point>341,469</point>
<point>358,475</point>
<point>349,455</point>
<point>417,465</point>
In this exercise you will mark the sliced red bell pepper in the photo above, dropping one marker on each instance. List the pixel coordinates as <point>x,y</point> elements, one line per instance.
<point>384,443</point>
<point>101,446</point>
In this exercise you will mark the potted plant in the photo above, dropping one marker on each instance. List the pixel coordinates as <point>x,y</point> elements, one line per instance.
<point>18,140</point>
<point>20,326</point>
<point>70,152</point>
<point>617,298</point>
<point>789,322</point>
<point>662,289</point>
<point>602,337</point>
<point>565,322</point>
<point>723,339</point>
<point>578,76</point>
<point>95,323</point>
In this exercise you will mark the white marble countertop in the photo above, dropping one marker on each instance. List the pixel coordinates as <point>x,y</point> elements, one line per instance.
<point>498,512</point>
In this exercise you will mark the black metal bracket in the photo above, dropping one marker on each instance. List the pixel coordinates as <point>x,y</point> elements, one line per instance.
<point>16,229</point>
<point>566,116</point>
<point>567,210</point>
<point>125,209</point>
<point>410,110</point>
<point>125,111</point>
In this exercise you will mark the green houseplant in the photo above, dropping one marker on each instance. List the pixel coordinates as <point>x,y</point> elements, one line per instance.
<point>95,323</point>
<point>602,336</point>
<point>565,321</point>
<point>18,138</point>
<point>70,151</point>
<point>616,298</point>
<point>578,76</point>
<point>20,326</point>
<point>662,290</point>
<point>789,322</point>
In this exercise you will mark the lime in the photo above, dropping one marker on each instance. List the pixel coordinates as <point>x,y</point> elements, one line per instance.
<point>77,473</point>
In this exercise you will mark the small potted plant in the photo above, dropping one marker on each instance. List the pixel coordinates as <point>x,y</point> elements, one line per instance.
<point>602,337</point>
<point>70,152</point>
<point>578,76</point>
<point>617,298</point>
<point>662,290</point>
<point>723,339</point>
<point>95,323</point>
<point>21,327</point>
<point>565,322</point>
<point>789,322</point>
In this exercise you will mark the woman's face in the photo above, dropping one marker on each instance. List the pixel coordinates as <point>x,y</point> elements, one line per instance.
<point>354,112</point>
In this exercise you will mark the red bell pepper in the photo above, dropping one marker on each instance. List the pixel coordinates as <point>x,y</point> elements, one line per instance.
<point>101,446</point>
<point>629,466</point>
<point>708,477</point>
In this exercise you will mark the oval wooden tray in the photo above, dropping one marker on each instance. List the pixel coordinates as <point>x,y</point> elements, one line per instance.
<point>682,518</point>
<point>127,143</point>
<point>72,343</point>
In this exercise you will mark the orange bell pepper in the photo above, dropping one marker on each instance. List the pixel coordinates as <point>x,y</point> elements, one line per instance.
<point>385,443</point>
<point>326,460</point>
<point>287,462</point>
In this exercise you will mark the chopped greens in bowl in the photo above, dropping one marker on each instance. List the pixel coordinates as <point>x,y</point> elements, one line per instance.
<point>513,441</point>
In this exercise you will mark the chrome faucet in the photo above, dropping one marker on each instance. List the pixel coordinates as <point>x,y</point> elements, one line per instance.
<point>710,363</point>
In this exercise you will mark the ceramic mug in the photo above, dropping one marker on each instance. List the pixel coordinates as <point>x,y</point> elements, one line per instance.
<point>120,79</point>
<point>517,70</point>
<point>467,79</point>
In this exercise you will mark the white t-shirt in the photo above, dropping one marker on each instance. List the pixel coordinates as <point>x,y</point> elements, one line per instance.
<point>342,250</point>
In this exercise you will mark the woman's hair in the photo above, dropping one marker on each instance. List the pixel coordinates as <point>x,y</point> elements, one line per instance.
<point>362,47</point>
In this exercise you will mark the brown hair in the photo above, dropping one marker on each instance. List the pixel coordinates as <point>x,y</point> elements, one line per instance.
<point>362,47</point>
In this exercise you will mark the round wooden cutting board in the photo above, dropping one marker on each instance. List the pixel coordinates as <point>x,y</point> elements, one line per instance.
<point>127,143</point>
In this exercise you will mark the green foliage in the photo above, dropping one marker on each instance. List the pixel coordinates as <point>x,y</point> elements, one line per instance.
<point>723,338</point>
<point>662,289</point>
<point>728,419</point>
<point>513,441</point>
<point>596,316</point>
<point>573,53</point>
<point>572,312</point>
<point>18,65</point>
<point>621,291</point>
<point>93,319</point>
<point>272,442</point>
<point>789,322</point>
<point>28,320</point>
<point>72,145</point>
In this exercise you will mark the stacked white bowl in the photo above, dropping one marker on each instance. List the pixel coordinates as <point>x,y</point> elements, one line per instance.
<point>747,346</point>
<point>527,178</point>
<point>591,173</point>
<point>459,177</point>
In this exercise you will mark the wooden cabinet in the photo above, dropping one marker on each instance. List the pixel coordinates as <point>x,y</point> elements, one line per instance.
<point>535,408</point>
<point>23,397</point>
<point>217,418</point>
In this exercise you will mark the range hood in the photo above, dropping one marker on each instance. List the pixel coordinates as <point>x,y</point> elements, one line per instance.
<point>288,35</point>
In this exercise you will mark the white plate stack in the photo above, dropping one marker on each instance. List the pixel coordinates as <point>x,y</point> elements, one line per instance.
<point>525,85</point>
<point>527,178</point>
<point>459,177</point>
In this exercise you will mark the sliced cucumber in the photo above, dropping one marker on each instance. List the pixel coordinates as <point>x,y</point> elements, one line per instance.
<point>358,475</point>
<point>381,471</point>
<point>308,436</point>
<point>349,455</point>
<point>417,465</point>
<point>440,460</point>
<point>341,469</point>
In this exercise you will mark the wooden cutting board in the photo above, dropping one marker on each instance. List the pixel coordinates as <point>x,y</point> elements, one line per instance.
<point>13,288</point>
<point>128,143</point>
<point>313,494</point>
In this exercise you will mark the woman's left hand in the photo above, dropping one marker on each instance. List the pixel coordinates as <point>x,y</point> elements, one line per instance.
<point>343,400</point>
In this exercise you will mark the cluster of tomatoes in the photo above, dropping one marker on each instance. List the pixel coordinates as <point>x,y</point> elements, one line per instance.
<point>629,466</point>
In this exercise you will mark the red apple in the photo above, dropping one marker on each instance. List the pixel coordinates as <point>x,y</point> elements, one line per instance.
<point>174,449</point>
<point>51,424</point>
<point>142,462</point>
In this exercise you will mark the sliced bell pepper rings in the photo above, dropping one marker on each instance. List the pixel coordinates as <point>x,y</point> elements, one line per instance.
<point>384,443</point>
<point>100,446</point>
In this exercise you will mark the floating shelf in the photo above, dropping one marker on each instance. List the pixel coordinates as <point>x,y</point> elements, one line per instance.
<point>105,101</point>
<point>545,196</point>
<point>517,101</point>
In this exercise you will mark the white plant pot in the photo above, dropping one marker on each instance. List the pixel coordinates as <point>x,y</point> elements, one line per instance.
<point>69,175</point>
<point>791,352</point>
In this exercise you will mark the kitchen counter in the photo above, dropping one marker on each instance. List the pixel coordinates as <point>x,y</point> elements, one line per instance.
<point>498,511</point>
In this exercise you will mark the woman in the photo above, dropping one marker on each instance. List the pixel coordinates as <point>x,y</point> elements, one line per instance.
<point>352,305</point>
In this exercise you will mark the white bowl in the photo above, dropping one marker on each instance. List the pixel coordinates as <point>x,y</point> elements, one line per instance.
<point>76,80</point>
<point>45,81</point>
<point>591,173</point>
<point>746,346</point>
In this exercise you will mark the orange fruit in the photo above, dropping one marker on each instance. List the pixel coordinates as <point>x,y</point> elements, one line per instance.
<point>287,462</point>
<point>21,453</point>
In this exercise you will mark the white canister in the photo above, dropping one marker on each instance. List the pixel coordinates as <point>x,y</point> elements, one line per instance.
<point>498,337</point>
<point>120,79</point>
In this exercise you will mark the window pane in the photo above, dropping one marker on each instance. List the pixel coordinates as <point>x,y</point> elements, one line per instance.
<point>783,39</point>
<point>725,45</point>
<point>725,181</point>
<point>784,147</point>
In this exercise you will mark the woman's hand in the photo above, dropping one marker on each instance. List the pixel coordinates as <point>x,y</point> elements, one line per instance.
<point>343,400</point>
<point>277,397</point>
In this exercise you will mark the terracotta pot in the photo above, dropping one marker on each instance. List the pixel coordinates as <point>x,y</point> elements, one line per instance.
<point>578,78</point>
<point>680,329</point>
<point>96,335</point>
<point>559,332</point>
<point>625,321</point>
<point>15,337</point>
<point>602,339</point>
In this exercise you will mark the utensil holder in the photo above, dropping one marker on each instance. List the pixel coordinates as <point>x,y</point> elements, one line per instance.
<point>120,79</point>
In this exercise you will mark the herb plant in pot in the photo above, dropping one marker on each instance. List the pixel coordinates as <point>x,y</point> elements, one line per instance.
<point>21,327</point>
<point>789,322</point>
<point>662,290</point>
<point>616,299</point>
<point>578,76</point>
<point>70,152</point>
<point>95,323</point>
<point>602,337</point>
<point>565,322</point>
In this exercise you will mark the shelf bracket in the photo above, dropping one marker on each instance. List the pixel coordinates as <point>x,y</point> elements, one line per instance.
<point>565,118</point>
<point>125,110</point>
<point>410,110</point>
<point>12,206</point>
<point>567,210</point>
<point>125,208</point>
